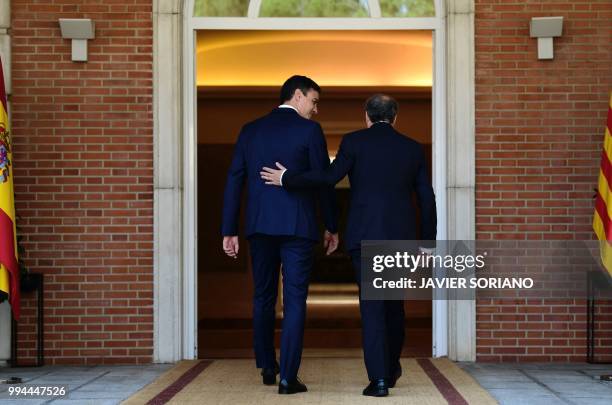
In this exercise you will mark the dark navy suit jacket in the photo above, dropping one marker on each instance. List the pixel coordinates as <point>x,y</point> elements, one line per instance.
<point>385,168</point>
<point>281,136</point>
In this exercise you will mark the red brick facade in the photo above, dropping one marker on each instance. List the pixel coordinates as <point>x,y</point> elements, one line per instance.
<point>539,134</point>
<point>83,135</point>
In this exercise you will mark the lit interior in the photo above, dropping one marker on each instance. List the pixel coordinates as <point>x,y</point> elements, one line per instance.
<point>331,58</point>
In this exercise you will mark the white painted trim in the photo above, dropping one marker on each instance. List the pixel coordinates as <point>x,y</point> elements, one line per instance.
<point>190,237</point>
<point>254,7</point>
<point>439,102</point>
<point>374,6</point>
<point>303,24</point>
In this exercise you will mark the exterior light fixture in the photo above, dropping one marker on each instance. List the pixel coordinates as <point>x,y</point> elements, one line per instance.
<point>545,29</point>
<point>79,30</point>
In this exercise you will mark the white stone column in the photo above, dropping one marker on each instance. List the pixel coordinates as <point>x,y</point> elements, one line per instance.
<point>461,173</point>
<point>167,116</point>
<point>5,55</point>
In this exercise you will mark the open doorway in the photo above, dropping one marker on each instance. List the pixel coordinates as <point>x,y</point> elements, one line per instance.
<point>239,75</point>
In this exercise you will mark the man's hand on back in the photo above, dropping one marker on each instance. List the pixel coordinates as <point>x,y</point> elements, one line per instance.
<point>273,176</point>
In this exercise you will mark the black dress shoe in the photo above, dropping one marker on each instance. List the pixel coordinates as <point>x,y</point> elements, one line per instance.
<point>291,387</point>
<point>377,388</point>
<point>269,374</point>
<point>395,377</point>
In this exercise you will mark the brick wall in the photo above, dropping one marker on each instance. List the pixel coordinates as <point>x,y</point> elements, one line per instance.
<point>539,133</point>
<point>84,179</point>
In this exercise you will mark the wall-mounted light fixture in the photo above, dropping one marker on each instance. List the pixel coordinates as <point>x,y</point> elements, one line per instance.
<point>79,30</point>
<point>545,29</point>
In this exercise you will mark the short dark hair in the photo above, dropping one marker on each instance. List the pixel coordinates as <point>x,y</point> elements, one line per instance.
<point>381,107</point>
<point>297,82</point>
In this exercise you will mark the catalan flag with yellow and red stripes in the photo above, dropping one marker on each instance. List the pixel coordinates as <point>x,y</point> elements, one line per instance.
<point>9,266</point>
<point>602,220</point>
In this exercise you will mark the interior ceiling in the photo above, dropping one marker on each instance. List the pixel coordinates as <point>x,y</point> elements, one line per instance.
<point>331,58</point>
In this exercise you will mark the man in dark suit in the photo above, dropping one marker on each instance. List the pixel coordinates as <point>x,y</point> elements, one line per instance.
<point>281,225</point>
<point>385,168</point>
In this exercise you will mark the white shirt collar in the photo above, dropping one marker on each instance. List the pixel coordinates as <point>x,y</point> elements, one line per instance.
<point>288,106</point>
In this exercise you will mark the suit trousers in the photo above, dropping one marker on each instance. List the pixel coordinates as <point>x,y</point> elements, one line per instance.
<point>382,330</point>
<point>296,256</point>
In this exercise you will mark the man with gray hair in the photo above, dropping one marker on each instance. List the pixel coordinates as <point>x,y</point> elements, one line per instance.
<point>385,169</point>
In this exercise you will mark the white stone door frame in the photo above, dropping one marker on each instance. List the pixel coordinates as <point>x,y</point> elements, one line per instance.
<point>175,213</point>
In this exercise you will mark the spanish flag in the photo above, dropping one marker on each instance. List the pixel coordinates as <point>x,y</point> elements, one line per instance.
<point>9,267</point>
<point>602,220</point>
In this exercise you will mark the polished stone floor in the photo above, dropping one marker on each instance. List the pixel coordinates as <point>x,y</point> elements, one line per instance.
<point>86,385</point>
<point>546,384</point>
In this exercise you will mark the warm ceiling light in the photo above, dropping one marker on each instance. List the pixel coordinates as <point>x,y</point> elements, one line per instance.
<point>332,58</point>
